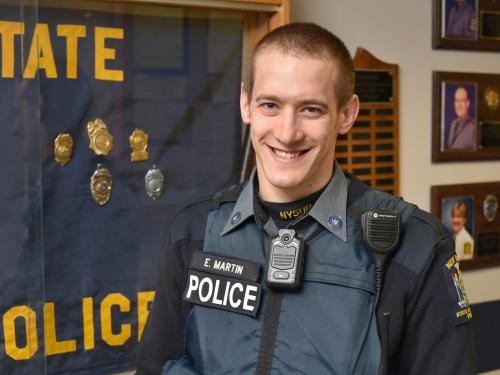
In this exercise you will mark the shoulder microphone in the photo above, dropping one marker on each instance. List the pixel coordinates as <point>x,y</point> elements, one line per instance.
<point>381,233</point>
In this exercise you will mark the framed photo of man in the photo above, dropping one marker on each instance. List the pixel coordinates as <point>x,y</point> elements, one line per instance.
<point>466,24</point>
<point>466,116</point>
<point>459,116</point>
<point>470,213</point>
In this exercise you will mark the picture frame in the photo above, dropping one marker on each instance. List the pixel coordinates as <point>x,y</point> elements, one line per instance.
<point>466,116</point>
<point>470,212</point>
<point>466,25</point>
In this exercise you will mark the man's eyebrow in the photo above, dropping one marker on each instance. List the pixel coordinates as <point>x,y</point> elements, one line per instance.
<point>304,102</point>
<point>307,102</point>
<point>271,98</point>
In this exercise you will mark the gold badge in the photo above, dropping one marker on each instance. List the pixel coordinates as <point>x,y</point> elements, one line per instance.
<point>63,148</point>
<point>101,140</point>
<point>138,143</point>
<point>491,98</point>
<point>101,184</point>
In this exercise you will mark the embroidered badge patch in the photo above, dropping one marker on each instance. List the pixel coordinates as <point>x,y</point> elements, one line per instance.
<point>460,305</point>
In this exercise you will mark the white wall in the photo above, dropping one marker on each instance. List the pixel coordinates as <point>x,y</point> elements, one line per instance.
<point>399,32</point>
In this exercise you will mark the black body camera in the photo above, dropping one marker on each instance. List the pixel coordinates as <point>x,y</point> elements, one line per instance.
<point>285,261</point>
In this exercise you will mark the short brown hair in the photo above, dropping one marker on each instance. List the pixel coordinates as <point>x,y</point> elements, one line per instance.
<point>307,39</point>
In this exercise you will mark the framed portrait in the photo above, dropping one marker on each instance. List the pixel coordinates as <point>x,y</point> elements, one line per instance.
<point>466,24</point>
<point>470,213</point>
<point>466,116</point>
<point>457,214</point>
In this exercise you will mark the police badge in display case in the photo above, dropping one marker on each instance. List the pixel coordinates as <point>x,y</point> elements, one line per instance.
<point>101,140</point>
<point>63,148</point>
<point>101,184</point>
<point>154,182</point>
<point>469,211</point>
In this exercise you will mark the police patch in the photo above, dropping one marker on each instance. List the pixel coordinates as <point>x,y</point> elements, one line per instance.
<point>460,305</point>
<point>208,283</point>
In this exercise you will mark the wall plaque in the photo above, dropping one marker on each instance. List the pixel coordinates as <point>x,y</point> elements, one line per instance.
<point>470,212</point>
<point>466,24</point>
<point>466,116</point>
<point>370,150</point>
<point>374,86</point>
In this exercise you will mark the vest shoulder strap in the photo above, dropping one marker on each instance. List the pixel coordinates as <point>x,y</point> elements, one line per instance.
<point>356,189</point>
<point>228,195</point>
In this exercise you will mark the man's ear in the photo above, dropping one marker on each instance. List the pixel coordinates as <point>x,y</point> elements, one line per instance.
<point>347,115</point>
<point>244,105</point>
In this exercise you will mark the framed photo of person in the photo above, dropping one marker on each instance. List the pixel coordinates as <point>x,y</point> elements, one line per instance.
<point>466,116</point>
<point>457,214</point>
<point>470,213</point>
<point>466,24</point>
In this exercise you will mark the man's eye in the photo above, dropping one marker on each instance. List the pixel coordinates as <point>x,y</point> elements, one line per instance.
<point>269,106</point>
<point>312,110</point>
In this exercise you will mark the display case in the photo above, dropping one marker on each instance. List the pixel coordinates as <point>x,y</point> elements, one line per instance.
<point>115,115</point>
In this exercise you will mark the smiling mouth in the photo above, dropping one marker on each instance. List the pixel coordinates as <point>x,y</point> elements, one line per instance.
<point>287,154</point>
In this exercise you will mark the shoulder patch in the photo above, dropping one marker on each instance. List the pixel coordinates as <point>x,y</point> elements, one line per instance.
<point>460,306</point>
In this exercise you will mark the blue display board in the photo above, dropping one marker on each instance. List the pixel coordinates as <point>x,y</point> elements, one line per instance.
<point>76,278</point>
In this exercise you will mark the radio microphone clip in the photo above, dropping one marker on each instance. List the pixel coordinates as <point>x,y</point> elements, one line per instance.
<point>381,233</point>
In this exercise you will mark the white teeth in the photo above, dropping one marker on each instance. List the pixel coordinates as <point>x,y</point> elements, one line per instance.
<point>285,154</point>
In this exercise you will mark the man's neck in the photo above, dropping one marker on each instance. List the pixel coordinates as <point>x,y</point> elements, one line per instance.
<point>276,194</point>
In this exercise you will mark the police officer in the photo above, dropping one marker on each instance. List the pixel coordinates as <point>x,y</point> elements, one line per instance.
<point>217,309</point>
<point>462,21</point>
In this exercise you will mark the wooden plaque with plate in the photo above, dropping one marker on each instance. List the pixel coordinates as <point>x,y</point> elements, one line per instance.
<point>370,151</point>
<point>466,24</point>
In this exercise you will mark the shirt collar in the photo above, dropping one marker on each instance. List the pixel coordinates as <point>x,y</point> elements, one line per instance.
<point>331,207</point>
<point>243,208</point>
<point>329,210</point>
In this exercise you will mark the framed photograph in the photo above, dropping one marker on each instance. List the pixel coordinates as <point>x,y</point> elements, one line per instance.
<point>466,24</point>
<point>457,214</point>
<point>466,116</point>
<point>470,213</point>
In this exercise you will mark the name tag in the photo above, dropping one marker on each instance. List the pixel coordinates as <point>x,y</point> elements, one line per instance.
<point>225,266</point>
<point>224,283</point>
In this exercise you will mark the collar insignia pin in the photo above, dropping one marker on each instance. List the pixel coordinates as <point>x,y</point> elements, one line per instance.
<point>335,222</point>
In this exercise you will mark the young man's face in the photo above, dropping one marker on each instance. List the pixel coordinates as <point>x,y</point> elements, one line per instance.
<point>294,123</point>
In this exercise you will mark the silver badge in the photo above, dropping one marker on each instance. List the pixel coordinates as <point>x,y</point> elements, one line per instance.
<point>101,184</point>
<point>490,207</point>
<point>154,182</point>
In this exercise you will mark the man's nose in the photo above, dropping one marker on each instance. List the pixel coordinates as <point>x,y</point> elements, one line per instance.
<point>288,131</point>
